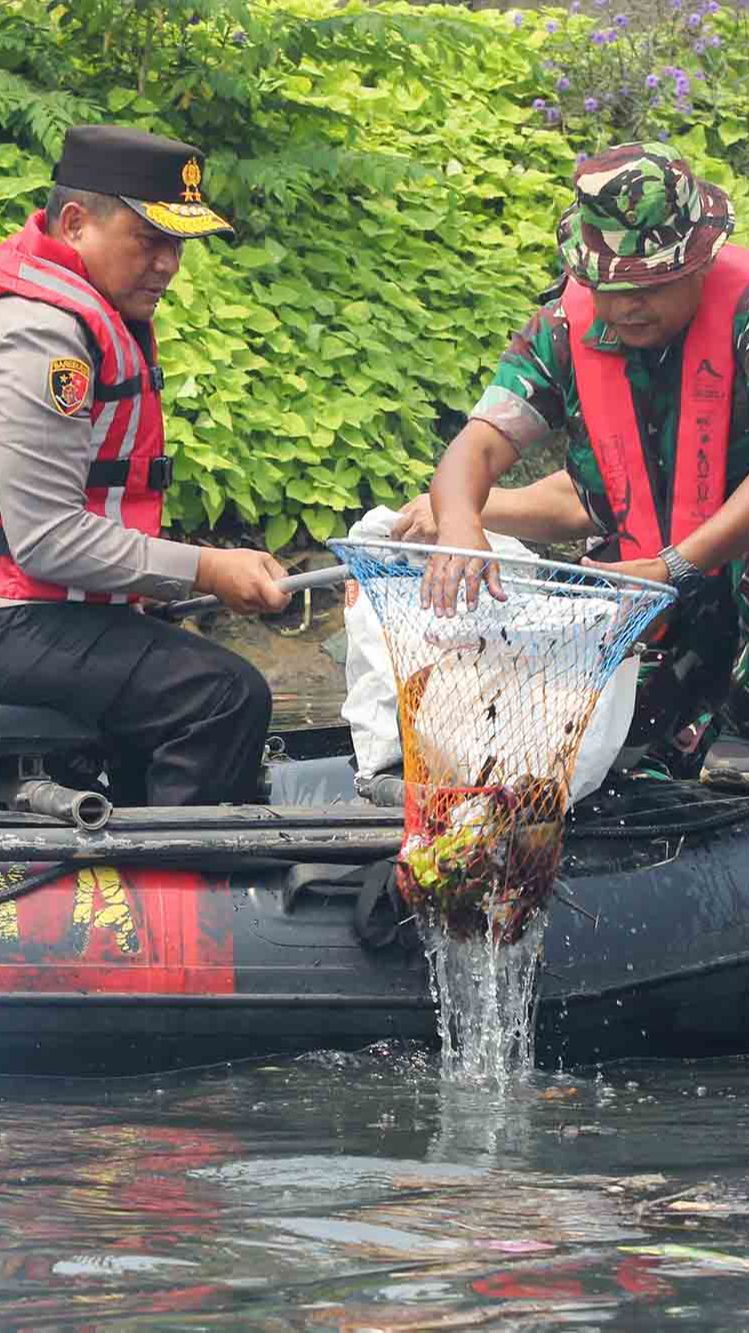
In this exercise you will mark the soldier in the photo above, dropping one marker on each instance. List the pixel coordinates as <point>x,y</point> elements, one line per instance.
<point>83,471</point>
<point>642,356</point>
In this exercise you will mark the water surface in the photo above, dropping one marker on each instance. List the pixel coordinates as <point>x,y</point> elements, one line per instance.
<point>362,1192</point>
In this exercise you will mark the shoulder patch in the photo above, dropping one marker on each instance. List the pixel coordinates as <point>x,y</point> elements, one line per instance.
<point>69,379</point>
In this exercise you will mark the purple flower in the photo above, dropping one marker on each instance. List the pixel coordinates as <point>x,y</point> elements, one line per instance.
<point>581,157</point>
<point>663,135</point>
<point>671,71</point>
<point>517,19</point>
<point>676,4</point>
<point>563,84</point>
<point>598,38</point>
<point>590,104</point>
<point>712,7</point>
<point>694,21</point>
<point>715,41</point>
<point>698,47</point>
<point>538,104</point>
<point>575,7</point>
<point>621,20</point>
<point>699,74</point>
<point>652,81</point>
<point>681,85</point>
<point>612,35</point>
<point>552,26</point>
<point>553,114</point>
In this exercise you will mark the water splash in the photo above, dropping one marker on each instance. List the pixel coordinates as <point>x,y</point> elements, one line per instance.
<point>484,992</point>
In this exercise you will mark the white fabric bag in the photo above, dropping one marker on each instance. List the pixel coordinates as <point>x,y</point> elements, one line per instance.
<point>370,707</point>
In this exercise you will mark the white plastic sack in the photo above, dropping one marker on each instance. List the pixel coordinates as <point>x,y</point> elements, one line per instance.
<point>454,745</point>
<point>370,707</point>
<point>371,702</point>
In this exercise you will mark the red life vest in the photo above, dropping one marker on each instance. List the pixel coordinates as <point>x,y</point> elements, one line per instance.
<point>129,471</point>
<point>708,369</point>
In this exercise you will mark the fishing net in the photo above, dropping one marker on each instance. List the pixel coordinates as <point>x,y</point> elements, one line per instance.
<point>493,706</point>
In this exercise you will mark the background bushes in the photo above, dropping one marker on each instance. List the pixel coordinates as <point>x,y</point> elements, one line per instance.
<point>394,190</point>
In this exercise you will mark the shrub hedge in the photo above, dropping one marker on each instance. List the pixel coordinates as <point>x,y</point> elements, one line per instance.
<point>395,194</point>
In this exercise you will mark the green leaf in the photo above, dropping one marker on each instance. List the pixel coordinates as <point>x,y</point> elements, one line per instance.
<point>320,522</point>
<point>332,347</point>
<point>119,98</point>
<point>280,530</point>
<point>12,187</point>
<point>259,320</point>
<point>188,388</point>
<point>252,256</point>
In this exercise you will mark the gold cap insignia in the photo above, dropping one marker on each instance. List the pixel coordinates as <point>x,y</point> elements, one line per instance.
<point>192,176</point>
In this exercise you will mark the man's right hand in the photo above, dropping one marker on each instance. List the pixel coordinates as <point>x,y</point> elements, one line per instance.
<point>243,580</point>
<point>439,587</point>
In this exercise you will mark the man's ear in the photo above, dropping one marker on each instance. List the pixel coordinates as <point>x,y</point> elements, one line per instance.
<point>71,222</point>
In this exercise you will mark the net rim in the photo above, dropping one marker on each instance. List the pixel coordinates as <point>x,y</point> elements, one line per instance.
<point>619,580</point>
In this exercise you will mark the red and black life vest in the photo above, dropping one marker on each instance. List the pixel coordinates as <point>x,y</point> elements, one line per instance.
<point>129,471</point>
<point>608,410</point>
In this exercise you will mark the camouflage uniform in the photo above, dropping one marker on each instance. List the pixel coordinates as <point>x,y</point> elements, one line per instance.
<point>627,228</point>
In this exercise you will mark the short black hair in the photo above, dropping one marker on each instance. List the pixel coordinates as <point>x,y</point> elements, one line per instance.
<point>101,205</point>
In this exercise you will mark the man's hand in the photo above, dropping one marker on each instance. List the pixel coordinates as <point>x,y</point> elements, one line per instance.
<point>439,587</point>
<point>243,580</point>
<point>655,569</point>
<point>416,522</point>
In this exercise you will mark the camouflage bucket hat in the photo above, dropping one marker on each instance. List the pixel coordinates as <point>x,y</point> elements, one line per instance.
<point>640,217</point>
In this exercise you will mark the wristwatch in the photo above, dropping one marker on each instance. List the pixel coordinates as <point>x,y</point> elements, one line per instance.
<point>686,577</point>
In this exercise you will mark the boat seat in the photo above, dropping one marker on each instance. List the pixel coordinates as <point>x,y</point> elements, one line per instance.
<point>42,731</point>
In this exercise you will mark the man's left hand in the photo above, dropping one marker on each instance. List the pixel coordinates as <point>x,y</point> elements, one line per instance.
<point>416,522</point>
<point>656,569</point>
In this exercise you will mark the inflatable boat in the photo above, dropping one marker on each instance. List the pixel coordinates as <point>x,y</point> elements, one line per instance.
<point>175,937</point>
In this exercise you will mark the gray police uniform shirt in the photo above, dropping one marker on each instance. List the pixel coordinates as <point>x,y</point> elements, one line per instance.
<point>44,462</point>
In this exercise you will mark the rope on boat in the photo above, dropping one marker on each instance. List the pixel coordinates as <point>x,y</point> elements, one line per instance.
<point>738,814</point>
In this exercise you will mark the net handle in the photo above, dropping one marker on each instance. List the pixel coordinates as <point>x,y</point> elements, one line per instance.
<point>621,580</point>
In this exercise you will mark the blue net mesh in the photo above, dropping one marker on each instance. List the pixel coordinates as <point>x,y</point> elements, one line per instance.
<point>494,704</point>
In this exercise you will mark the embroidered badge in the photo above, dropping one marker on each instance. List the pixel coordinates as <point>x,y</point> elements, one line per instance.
<point>69,379</point>
<point>191,177</point>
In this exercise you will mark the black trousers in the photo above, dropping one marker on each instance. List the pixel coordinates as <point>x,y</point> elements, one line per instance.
<point>185,714</point>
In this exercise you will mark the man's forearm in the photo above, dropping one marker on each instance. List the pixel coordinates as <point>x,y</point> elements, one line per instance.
<point>94,554</point>
<point>549,510</point>
<point>474,461</point>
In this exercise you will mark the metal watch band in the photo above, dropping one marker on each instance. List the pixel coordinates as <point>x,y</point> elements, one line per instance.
<point>682,573</point>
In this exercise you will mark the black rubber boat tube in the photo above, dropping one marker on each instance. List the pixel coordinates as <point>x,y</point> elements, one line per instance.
<point>202,846</point>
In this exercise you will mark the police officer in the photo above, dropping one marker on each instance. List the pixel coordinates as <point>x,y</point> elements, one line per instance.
<point>82,475</point>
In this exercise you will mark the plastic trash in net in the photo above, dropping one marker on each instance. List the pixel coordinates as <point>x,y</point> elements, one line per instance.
<point>493,705</point>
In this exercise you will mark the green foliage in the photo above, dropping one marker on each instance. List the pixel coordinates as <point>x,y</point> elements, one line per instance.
<point>395,201</point>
